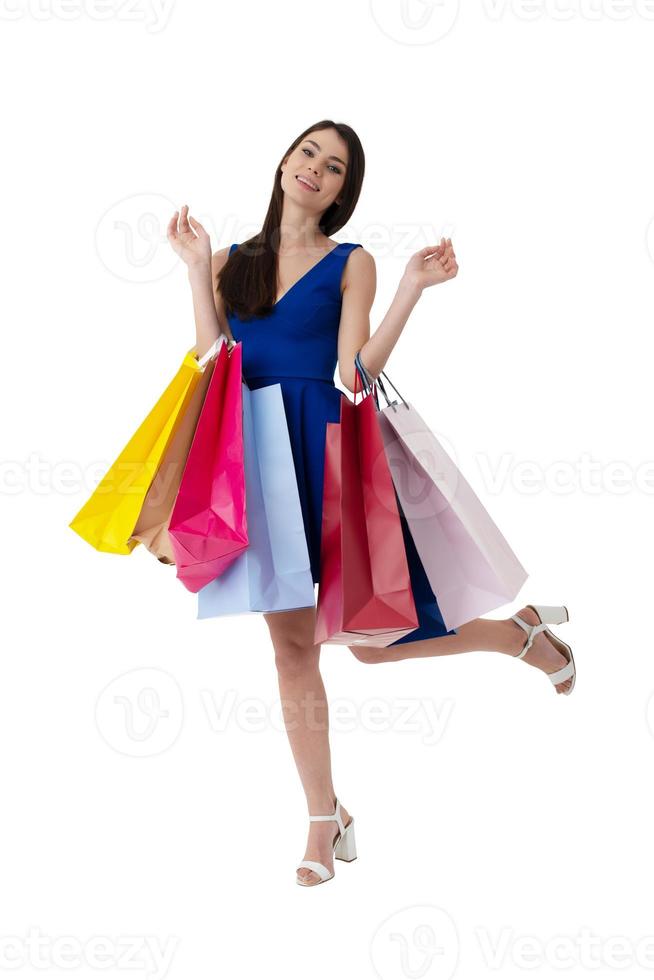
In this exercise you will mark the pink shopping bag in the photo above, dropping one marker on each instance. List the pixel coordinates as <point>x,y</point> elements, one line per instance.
<point>208,524</point>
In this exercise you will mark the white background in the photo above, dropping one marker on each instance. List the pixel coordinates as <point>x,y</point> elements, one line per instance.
<point>524,132</point>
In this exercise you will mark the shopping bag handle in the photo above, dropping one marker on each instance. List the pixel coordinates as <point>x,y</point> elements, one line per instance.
<point>366,388</point>
<point>370,382</point>
<point>215,347</point>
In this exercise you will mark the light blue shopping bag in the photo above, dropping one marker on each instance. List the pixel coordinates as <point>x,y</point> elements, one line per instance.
<point>274,571</point>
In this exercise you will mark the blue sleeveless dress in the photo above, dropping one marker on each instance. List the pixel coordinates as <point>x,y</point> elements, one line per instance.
<point>296,346</point>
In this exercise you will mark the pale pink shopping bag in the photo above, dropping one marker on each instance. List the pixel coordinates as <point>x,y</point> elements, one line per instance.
<point>468,561</point>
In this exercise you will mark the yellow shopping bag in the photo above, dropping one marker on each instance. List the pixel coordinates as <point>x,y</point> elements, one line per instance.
<point>110,514</point>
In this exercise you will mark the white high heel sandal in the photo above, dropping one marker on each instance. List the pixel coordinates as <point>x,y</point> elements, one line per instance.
<point>344,848</point>
<point>550,614</point>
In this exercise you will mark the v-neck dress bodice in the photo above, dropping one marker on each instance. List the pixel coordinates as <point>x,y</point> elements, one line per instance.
<point>296,345</point>
<point>298,338</point>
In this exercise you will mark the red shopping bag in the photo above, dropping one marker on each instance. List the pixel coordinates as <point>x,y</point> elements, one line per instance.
<point>364,595</point>
<point>208,524</point>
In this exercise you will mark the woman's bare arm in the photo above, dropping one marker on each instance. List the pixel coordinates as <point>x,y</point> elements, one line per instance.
<point>431,265</point>
<point>354,326</point>
<point>207,325</point>
<point>191,242</point>
<point>218,260</point>
<point>359,287</point>
<point>208,309</point>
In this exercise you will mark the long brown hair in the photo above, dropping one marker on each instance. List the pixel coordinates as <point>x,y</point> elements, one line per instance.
<point>248,279</point>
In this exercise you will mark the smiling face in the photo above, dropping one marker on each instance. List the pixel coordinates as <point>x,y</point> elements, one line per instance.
<point>314,173</point>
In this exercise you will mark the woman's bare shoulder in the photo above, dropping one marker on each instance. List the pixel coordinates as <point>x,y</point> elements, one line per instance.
<point>219,258</point>
<point>360,267</point>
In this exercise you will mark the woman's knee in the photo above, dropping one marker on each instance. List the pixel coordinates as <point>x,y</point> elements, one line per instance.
<point>292,639</point>
<point>292,656</point>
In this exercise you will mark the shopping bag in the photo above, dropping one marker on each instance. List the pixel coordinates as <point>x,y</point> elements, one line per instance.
<point>274,571</point>
<point>208,524</point>
<point>468,561</point>
<point>364,595</point>
<point>107,519</point>
<point>151,528</point>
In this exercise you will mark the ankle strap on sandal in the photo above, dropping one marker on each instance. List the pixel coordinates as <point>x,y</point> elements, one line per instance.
<point>336,815</point>
<point>531,631</point>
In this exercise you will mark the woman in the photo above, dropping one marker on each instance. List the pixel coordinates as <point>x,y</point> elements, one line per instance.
<point>300,303</point>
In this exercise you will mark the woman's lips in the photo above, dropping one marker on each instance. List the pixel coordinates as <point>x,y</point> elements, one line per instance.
<point>302,182</point>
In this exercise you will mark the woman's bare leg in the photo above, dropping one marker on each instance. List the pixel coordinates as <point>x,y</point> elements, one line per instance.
<point>498,635</point>
<point>304,701</point>
<point>306,716</point>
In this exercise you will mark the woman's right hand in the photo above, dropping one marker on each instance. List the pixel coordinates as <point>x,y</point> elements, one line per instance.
<point>189,240</point>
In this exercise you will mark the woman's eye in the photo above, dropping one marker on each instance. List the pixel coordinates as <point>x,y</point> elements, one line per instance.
<point>337,170</point>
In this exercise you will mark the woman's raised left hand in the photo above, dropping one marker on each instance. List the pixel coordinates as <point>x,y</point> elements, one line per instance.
<point>432,264</point>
